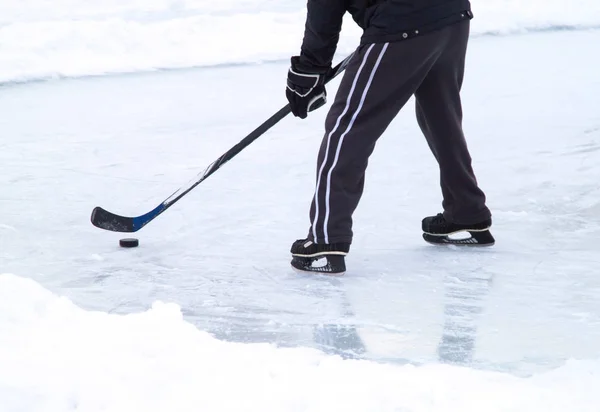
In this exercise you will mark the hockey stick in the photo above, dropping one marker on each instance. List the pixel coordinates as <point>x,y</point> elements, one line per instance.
<point>104,219</point>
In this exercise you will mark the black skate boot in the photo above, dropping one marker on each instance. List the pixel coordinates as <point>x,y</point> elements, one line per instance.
<point>305,252</point>
<point>437,230</point>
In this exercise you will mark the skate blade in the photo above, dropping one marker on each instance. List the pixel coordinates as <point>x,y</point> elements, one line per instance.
<point>478,238</point>
<point>334,266</point>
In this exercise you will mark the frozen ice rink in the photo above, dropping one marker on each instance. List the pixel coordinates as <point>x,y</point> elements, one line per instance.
<point>206,314</point>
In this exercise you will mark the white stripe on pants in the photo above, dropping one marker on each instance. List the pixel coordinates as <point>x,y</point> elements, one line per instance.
<point>341,140</point>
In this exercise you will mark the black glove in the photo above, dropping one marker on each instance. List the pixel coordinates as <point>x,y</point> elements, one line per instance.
<point>305,91</point>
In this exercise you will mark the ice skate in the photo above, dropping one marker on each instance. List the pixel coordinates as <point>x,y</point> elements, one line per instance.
<point>437,230</point>
<point>306,256</point>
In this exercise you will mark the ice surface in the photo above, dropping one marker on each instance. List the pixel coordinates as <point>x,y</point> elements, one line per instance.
<point>41,39</point>
<point>411,326</point>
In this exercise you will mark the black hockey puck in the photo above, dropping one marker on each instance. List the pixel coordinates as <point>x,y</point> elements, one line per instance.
<point>129,242</point>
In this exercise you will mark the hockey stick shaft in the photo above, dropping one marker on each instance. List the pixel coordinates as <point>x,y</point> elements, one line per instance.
<point>104,219</point>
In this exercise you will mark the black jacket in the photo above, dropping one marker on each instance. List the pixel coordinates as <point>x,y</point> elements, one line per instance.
<point>381,21</point>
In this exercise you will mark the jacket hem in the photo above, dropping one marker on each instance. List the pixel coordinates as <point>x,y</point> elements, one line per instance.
<point>419,31</point>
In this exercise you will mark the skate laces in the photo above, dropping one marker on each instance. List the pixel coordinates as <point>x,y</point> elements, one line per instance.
<point>439,220</point>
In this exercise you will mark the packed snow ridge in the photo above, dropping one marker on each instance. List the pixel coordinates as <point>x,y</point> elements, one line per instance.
<point>67,38</point>
<point>56,357</point>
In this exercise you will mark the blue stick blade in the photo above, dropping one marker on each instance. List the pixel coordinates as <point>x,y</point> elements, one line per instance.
<point>141,221</point>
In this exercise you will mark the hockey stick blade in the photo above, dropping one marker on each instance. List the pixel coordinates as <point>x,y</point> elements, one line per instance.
<point>103,219</point>
<point>106,220</point>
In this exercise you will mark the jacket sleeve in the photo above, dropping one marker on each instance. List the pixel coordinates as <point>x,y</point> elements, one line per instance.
<point>321,34</point>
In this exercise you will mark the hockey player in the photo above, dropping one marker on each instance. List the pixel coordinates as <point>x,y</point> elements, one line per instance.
<point>408,47</point>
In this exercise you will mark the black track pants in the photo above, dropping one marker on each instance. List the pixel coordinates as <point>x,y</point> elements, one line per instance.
<point>377,83</point>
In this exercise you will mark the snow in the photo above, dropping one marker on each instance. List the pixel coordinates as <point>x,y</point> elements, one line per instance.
<point>42,39</point>
<point>58,357</point>
<point>206,314</point>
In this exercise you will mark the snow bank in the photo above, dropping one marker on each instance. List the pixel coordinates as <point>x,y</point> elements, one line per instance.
<point>40,39</point>
<point>56,357</point>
